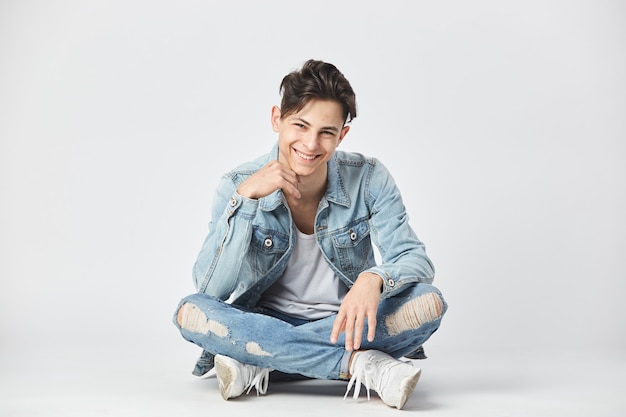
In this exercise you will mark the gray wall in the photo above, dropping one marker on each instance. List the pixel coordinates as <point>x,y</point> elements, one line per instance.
<point>503,123</point>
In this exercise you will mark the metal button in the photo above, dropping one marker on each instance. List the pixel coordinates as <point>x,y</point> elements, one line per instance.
<point>268,242</point>
<point>391,283</point>
<point>352,235</point>
<point>233,202</point>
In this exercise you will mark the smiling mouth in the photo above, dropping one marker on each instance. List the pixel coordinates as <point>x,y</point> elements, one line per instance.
<point>305,156</point>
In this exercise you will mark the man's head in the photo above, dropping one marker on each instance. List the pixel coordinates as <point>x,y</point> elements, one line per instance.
<point>317,105</point>
<point>317,80</point>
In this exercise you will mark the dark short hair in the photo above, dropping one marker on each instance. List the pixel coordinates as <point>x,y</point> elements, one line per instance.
<point>317,80</point>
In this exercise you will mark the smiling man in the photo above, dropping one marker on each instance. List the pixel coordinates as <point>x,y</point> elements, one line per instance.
<point>286,278</point>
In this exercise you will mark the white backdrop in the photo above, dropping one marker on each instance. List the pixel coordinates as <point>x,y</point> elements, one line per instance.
<point>504,125</point>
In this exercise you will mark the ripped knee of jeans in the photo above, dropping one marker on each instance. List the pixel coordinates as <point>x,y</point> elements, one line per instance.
<point>191,318</point>
<point>421,310</point>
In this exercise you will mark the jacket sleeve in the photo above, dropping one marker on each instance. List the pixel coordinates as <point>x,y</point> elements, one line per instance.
<point>221,258</point>
<point>403,255</point>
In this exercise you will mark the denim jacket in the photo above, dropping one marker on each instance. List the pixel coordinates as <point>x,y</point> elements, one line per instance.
<point>250,241</point>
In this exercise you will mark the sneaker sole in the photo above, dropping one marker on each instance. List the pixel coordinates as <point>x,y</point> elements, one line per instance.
<point>225,376</point>
<point>408,386</point>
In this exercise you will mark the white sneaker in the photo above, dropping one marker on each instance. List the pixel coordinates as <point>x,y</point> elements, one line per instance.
<point>392,379</point>
<point>234,377</point>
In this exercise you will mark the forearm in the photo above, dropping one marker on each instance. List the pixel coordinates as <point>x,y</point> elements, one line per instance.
<point>219,262</point>
<point>404,258</point>
<point>411,267</point>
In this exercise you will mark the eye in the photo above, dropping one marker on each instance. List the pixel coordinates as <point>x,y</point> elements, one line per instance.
<point>299,125</point>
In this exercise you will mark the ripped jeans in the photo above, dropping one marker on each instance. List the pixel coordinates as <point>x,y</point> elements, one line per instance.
<point>258,337</point>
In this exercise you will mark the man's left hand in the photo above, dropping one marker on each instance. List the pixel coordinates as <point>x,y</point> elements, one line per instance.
<point>359,304</point>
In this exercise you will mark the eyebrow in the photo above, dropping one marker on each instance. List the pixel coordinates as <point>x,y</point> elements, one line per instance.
<point>301,120</point>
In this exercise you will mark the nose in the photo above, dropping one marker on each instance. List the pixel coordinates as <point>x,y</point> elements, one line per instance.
<point>310,139</point>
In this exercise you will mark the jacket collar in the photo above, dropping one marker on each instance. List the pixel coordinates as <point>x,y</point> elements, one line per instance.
<point>335,189</point>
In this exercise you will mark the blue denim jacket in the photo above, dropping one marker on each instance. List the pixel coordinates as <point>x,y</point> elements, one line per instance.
<point>250,241</point>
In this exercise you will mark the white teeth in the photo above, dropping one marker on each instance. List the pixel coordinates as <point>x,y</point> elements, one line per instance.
<point>303,156</point>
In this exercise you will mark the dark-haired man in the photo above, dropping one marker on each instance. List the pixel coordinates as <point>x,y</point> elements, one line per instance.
<point>287,279</point>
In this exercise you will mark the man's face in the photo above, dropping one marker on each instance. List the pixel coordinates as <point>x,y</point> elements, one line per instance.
<point>307,139</point>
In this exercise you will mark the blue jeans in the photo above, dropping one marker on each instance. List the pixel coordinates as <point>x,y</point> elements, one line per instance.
<point>271,340</point>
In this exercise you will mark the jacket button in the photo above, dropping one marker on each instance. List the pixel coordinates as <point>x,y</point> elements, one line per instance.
<point>268,242</point>
<point>233,202</point>
<point>391,283</point>
<point>352,235</point>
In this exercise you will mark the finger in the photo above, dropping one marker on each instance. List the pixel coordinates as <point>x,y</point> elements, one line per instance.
<point>358,333</point>
<point>290,176</point>
<point>290,183</point>
<point>371,328</point>
<point>293,190</point>
<point>286,170</point>
<point>349,334</point>
<point>337,328</point>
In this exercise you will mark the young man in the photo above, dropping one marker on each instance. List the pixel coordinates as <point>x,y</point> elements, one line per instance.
<point>286,277</point>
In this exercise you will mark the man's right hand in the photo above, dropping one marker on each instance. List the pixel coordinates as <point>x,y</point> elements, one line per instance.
<point>268,179</point>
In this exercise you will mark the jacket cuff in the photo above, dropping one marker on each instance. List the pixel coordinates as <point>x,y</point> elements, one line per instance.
<point>242,205</point>
<point>389,284</point>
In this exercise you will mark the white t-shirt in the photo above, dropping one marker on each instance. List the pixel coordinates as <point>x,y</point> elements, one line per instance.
<point>308,289</point>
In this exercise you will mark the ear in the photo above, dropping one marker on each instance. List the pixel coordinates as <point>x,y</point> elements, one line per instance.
<point>276,118</point>
<point>344,132</point>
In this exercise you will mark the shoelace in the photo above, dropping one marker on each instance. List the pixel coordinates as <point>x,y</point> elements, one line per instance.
<point>365,376</point>
<point>260,381</point>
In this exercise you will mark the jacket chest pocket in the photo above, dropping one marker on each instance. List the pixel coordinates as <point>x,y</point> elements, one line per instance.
<point>353,248</point>
<point>266,249</point>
